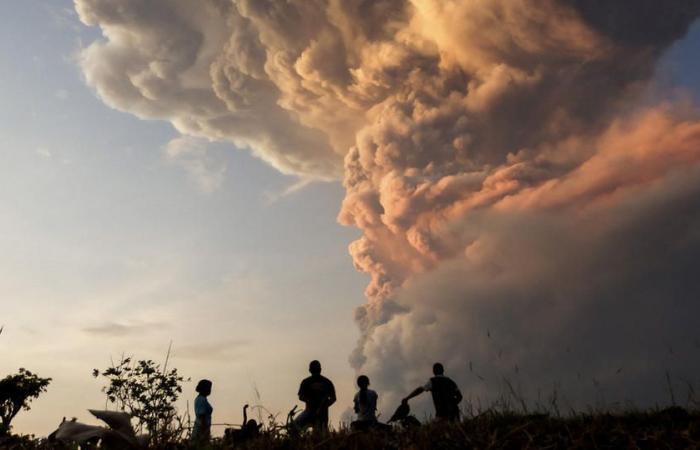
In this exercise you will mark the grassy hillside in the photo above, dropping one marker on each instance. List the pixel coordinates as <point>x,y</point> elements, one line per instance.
<point>673,428</point>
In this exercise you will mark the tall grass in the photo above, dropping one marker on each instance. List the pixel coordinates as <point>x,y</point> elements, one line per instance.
<point>670,428</point>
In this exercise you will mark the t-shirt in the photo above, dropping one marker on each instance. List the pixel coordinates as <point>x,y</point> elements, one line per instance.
<point>203,410</point>
<point>365,409</point>
<point>446,396</point>
<point>316,391</point>
<point>202,413</point>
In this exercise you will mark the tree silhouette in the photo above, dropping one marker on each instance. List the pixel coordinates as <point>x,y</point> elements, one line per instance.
<point>16,392</point>
<point>147,392</point>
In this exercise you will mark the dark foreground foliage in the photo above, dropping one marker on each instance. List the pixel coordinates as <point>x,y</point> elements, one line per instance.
<point>673,428</point>
<point>16,393</point>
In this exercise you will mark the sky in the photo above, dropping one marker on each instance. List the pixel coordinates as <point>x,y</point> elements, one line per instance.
<point>110,248</point>
<point>196,177</point>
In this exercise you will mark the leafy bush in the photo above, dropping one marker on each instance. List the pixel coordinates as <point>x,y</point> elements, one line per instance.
<point>16,393</point>
<point>147,392</point>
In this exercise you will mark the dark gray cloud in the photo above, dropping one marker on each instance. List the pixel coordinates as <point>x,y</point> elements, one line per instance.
<point>118,329</point>
<point>648,23</point>
<point>220,350</point>
<point>599,316</point>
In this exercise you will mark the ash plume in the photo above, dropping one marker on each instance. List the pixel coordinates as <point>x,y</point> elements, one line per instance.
<point>496,155</point>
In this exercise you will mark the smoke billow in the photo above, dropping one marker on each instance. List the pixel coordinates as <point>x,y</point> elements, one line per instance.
<point>523,212</point>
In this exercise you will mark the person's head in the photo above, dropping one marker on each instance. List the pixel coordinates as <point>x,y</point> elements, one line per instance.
<point>362,381</point>
<point>438,369</point>
<point>315,367</point>
<point>203,387</point>
<point>252,426</point>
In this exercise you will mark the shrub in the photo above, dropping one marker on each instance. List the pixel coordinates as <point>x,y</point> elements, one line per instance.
<point>147,392</point>
<point>16,393</point>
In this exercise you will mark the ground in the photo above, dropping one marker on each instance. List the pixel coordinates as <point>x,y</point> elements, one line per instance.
<point>672,428</point>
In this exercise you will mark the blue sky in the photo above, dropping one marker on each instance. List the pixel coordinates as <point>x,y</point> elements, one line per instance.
<point>101,233</point>
<point>109,247</point>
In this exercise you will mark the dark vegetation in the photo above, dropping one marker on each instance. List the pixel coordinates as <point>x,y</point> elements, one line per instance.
<point>673,428</point>
<point>16,393</point>
<point>148,391</point>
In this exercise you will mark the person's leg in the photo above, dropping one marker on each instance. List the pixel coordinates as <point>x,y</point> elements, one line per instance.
<point>381,426</point>
<point>364,425</point>
<point>321,422</point>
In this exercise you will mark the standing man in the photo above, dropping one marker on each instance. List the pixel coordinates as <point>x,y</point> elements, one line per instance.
<point>446,394</point>
<point>318,393</point>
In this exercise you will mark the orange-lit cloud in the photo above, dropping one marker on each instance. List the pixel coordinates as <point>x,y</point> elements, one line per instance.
<point>487,138</point>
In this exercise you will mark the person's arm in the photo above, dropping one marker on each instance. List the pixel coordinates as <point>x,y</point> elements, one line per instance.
<point>416,392</point>
<point>356,401</point>
<point>202,410</point>
<point>302,392</point>
<point>331,394</point>
<point>199,408</point>
<point>209,412</point>
<point>458,395</point>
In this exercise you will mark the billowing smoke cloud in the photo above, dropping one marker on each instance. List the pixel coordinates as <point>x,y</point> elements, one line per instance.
<point>523,212</point>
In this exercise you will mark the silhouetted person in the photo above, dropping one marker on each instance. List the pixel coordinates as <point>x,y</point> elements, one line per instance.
<point>318,393</point>
<point>365,405</point>
<point>250,429</point>
<point>201,432</point>
<point>403,416</point>
<point>446,394</point>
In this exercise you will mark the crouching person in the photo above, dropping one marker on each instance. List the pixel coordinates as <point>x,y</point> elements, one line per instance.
<point>318,393</point>
<point>249,430</point>
<point>446,394</point>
